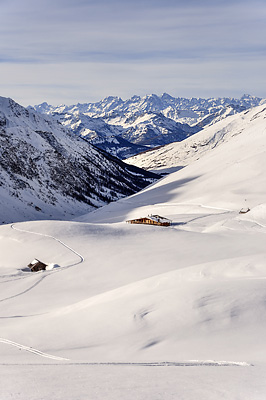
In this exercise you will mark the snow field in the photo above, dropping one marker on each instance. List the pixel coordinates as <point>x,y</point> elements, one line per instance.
<point>144,294</point>
<point>161,301</point>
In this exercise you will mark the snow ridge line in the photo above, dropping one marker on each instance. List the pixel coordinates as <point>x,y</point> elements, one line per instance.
<point>31,350</point>
<point>82,259</point>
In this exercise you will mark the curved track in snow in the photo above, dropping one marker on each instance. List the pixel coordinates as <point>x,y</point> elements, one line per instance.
<point>24,291</point>
<point>81,258</point>
<point>54,238</point>
<point>47,272</point>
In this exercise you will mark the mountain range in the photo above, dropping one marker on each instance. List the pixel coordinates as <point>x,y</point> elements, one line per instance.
<point>175,156</point>
<point>47,171</point>
<point>127,127</point>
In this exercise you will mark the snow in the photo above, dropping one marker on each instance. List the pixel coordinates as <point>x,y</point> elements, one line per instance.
<point>147,122</point>
<point>137,311</point>
<point>157,218</point>
<point>194,110</point>
<point>48,172</point>
<point>34,261</point>
<point>51,266</point>
<point>97,382</point>
<point>178,155</point>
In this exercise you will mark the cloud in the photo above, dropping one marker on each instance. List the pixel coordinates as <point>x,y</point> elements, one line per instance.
<point>83,82</point>
<point>81,31</point>
<point>125,39</point>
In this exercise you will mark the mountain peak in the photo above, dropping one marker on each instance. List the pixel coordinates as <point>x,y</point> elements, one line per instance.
<point>166,96</point>
<point>248,97</point>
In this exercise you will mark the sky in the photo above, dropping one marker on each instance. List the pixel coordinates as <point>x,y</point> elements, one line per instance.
<point>69,51</point>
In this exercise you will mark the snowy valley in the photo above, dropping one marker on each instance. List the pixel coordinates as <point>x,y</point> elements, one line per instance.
<point>127,127</point>
<point>147,312</point>
<point>175,156</point>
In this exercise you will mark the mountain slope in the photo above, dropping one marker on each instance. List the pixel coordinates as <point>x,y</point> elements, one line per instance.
<point>177,155</point>
<point>99,133</point>
<point>47,171</point>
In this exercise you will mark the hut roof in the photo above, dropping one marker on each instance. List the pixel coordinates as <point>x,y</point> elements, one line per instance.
<point>35,261</point>
<point>37,265</point>
<point>158,218</point>
<point>244,210</point>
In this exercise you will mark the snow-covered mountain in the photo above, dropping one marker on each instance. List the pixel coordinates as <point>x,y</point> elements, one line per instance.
<point>99,133</point>
<point>126,298</point>
<point>144,121</point>
<point>114,110</point>
<point>47,171</point>
<point>154,129</point>
<point>177,155</point>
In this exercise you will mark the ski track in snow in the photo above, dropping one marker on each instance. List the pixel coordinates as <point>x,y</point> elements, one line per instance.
<point>54,238</point>
<point>257,223</point>
<point>27,348</point>
<point>190,363</point>
<point>31,350</point>
<point>25,291</point>
<point>47,273</point>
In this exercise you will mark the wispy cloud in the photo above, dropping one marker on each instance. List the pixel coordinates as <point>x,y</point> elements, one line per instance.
<point>135,35</point>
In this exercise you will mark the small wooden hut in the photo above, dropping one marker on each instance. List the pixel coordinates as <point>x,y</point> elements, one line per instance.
<point>151,220</point>
<point>244,210</point>
<point>36,265</point>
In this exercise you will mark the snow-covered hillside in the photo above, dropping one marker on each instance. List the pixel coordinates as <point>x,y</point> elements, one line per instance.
<point>177,155</point>
<point>147,121</point>
<point>48,172</point>
<point>99,133</point>
<point>128,298</point>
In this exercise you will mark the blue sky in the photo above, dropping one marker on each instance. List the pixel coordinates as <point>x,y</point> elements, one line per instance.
<point>68,51</point>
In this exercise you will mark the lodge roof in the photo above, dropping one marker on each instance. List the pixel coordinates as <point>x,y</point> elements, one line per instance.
<point>158,218</point>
